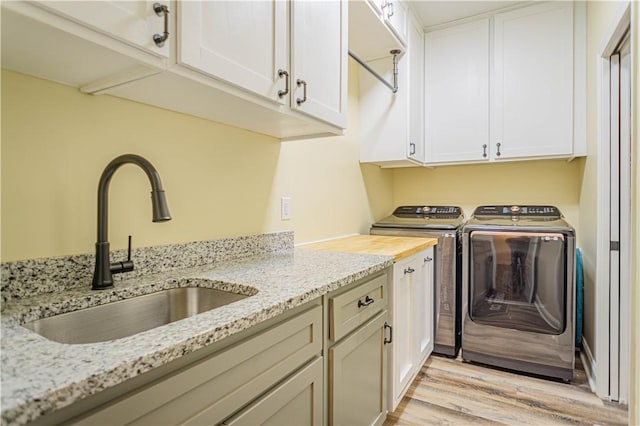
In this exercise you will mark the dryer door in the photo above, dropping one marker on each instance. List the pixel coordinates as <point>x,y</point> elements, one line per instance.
<point>518,280</point>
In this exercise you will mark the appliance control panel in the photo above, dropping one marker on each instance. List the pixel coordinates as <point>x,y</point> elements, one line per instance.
<point>428,211</point>
<point>514,210</point>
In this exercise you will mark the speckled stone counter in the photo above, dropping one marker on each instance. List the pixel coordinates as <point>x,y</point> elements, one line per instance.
<point>40,376</point>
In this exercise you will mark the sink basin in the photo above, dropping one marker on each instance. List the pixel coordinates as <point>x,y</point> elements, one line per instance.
<point>130,316</point>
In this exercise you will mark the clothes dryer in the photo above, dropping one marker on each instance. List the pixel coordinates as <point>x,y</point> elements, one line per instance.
<point>518,289</point>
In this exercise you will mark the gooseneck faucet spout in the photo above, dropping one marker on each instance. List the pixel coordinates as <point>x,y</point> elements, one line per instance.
<point>102,276</point>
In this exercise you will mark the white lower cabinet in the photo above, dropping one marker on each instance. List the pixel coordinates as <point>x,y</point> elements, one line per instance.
<point>411,300</point>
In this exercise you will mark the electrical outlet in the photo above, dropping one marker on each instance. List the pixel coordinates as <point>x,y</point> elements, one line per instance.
<point>285,208</point>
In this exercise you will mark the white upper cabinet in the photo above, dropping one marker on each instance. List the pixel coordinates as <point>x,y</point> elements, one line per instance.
<point>243,43</point>
<point>507,88</point>
<point>273,67</point>
<point>457,93</point>
<point>134,22</point>
<point>246,43</point>
<point>319,59</point>
<point>532,110</point>
<point>85,44</point>
<point>394,13</point>
<point>415,37</point>
<point>371,33</point>
<point>391,123</point>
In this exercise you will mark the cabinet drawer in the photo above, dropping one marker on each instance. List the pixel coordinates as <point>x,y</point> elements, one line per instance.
<point>211,390</point>
<point>354,307</point>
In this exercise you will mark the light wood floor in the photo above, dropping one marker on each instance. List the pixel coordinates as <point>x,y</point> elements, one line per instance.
<point>453,392</point>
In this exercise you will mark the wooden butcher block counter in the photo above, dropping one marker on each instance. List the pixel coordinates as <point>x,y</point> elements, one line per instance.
<point>398,247</point>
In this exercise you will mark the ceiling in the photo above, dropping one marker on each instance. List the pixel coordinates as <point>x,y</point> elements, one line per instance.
<point>435,12</point>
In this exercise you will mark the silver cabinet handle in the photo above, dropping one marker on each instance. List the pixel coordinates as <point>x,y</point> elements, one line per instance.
<point>484,151</point>
<point>412,148</point>
<point>498,153</point>
<point>409,270</point>
<point>162,11</point>
<point>304,92</point>
<point>390,11</point>
<point>427,259</point>
<point>285,92</point>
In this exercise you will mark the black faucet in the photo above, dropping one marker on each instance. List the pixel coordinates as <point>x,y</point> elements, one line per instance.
<point>102,276</point>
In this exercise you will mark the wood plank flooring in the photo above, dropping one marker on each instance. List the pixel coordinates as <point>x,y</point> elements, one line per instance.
<point>453,392</point>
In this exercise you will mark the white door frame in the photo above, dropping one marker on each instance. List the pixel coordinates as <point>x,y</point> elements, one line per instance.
<point>603,294</point>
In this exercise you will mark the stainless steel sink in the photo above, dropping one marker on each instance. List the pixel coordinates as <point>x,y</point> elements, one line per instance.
<point>130,316</point>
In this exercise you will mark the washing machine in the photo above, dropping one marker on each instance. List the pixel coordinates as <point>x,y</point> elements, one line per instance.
<point>518,289</point>
<point>445,224</point>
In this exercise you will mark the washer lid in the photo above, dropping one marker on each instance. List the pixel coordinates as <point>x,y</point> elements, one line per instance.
<point>518,216</point>
<point>423,217</point>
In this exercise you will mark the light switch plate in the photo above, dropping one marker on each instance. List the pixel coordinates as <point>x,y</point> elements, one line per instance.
<point>285,208</point>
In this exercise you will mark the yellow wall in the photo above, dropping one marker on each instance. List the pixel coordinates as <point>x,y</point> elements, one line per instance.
<point>555,182</point>
<point>220,181</point>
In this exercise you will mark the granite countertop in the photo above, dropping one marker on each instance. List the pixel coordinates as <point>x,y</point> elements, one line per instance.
<point>40,376</point>
<point>398,247</point>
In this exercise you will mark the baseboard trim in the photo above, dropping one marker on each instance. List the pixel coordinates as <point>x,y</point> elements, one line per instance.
<point>589,364</point>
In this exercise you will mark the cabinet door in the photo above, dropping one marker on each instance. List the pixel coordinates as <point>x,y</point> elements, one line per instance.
<point>395,14</point>
<point>391,125</point>
<point>357,376</point>
<point>319,59</point>
<point>214,388</point>
<point>241,42</point>
<point>416,87</point>
<point>457,93</point>
<point>297,401</point>
<point>383,114</point>
<point>133,22</point>
<point>532,111</point>
<point>424,304</point>
<point>403,361</point>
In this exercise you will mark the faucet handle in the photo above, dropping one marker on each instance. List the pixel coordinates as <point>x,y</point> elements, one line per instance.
<point>127,265</point>
<point>129,250</point>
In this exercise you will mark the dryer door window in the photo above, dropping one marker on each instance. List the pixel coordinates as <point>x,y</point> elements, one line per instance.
<point>518,280</point>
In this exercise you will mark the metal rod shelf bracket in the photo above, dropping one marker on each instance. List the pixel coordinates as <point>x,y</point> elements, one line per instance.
<point>393,87</point>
